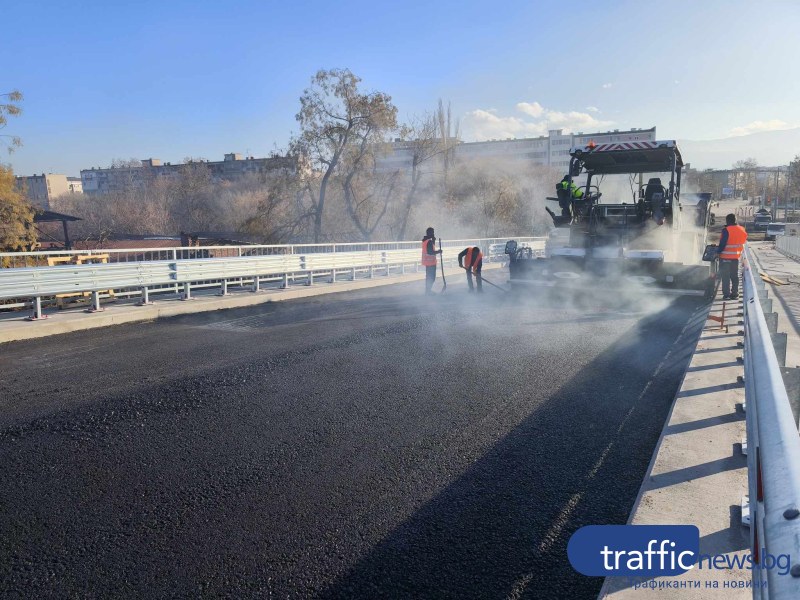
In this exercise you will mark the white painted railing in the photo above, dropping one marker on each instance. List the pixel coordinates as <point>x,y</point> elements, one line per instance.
<point>189,268</point>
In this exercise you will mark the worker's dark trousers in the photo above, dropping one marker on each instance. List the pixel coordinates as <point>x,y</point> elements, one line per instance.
<point>477,278</point>
<point>729,273</point>
<point>430,277</point>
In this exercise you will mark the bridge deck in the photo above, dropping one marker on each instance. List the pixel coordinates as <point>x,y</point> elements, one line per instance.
<point>367,444</point>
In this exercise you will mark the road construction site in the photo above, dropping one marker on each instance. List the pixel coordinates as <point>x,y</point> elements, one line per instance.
<point>373,443</point>
<point>359,439</point>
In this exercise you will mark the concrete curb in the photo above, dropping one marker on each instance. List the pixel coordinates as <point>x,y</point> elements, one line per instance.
<point>697,473</point>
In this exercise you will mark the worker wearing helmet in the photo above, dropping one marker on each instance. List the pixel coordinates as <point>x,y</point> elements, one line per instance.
<point>429,253</point>
<point>471,259</point>
<point>731,245</point>
<point>567,191</point>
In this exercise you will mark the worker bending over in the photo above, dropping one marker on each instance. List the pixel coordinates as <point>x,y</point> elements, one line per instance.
<point>471,259</point>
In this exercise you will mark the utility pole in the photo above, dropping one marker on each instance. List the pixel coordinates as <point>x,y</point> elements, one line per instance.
<point>786,200</point>
<point>775,204</point>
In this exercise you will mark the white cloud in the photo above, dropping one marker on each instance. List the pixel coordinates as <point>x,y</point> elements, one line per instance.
<point>757,126</point>
<point>483,124</point>
<point>607,85</point>
<point>533,109</point>
<point>574,120</point>
<point>593,109</point>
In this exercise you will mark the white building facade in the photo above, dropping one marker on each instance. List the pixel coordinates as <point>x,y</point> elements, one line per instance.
<point>551,150</point>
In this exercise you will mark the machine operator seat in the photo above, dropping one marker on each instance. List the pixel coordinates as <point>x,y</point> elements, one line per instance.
<point>654,194</point>
<point>654,191</point>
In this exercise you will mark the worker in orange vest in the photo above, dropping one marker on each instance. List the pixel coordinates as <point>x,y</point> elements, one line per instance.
<point>429,253</point>
<point>471,259</point>
<point>731,245</point>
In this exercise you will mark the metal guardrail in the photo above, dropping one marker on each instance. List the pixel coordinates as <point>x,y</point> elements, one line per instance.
<point>34,259</point>
<point>773,453</point>
<point>254,266</point>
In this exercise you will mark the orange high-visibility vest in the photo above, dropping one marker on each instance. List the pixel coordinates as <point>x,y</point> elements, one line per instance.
<point>737,236</point>
<point>428,260</point>
<point>473,258</point>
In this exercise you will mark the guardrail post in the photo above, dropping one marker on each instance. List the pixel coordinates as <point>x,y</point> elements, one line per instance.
<point>285,282</point>
<point>174,259</point>
<point>224,290</point>
<point>310,280</point>
<point>333,275</point>
<point>187,291</point>
<point>352,274</point>
<point>256,283</point>
<point>37,310</point>
<point>95,303</point>
<point>371,271</point>
<point>145,297</point>
<point>772,321</point>
<point>402,268</point>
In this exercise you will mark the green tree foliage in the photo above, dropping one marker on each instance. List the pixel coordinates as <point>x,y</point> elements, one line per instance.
<point>17,233</point>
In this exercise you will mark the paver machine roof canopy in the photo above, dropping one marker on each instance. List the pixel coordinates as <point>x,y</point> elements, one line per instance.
<point>626,157</point>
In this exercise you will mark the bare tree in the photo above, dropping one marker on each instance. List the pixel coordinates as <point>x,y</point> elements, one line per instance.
<point>367,197</point>
<point>421,140</point>
<point>449,136</point>
<point>193,193</point>
<point>126,163</point>
<point>745,176</point>
<point>276,216</point>
<point>334,114</point>
<point>9,107</point>
<point>793,178</point>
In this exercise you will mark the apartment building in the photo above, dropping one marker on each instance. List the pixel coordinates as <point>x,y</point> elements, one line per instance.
<point>40,189</point>
<point>233,166</point>
<point>552,149</point>
<point>75,185</point>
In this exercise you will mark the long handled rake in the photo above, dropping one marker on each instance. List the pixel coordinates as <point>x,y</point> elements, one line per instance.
<point>484,280</point>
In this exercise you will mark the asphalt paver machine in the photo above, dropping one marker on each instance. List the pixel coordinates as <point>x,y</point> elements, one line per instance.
<point>650,241</point>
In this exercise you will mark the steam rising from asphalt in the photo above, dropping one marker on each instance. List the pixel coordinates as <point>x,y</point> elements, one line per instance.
<point>488,198</point>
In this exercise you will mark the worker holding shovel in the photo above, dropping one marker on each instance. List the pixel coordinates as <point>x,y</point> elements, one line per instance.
<point>429,253</point>
<point>471,259</point>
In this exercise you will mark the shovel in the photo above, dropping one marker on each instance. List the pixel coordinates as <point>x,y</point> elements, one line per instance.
<point>441,259</point>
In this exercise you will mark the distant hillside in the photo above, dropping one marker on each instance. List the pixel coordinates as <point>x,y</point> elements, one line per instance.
<point>769,148</point>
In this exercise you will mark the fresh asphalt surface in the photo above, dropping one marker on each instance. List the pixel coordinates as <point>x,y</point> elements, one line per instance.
<point>358,445</point>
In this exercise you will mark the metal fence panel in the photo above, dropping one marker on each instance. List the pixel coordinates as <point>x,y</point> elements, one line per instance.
<point>789,245</point>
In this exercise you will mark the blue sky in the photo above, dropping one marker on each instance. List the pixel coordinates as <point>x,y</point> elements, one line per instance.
<point>122,79</point>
